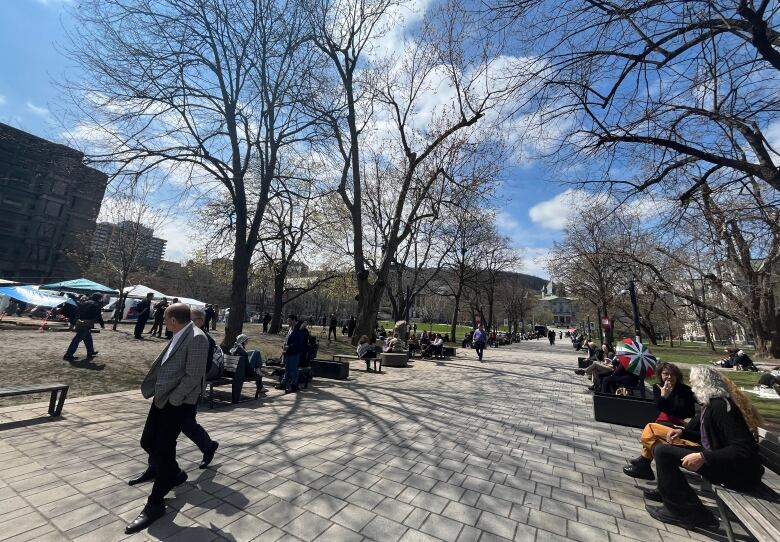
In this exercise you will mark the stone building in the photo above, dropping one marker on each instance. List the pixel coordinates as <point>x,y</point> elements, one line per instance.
<point>563,308</point>
<point>49,201</point>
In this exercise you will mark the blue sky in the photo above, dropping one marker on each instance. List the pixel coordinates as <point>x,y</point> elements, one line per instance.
<point>533,207</point>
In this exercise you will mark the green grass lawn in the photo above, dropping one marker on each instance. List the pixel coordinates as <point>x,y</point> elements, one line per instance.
<point>689,353</point>
<point>769,408</point>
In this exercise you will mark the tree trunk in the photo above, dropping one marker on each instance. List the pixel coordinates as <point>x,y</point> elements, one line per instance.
<point>707,334</point>
<point>455,312</point>
<point>276,316</point>
<point>370,296</point>
<point>761,339</point>
<point>239,284</point>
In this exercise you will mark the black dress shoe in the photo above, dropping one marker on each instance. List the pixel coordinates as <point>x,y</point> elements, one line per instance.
<point>92,354</point>
<point>148,515</point>
<point>148,474</point>
<point>69,358</point>
<point>652,494</point>
<point>209,455</point>
<point>180,478</point>
<point>639,460</point>
<point>279,387</point>
<point>643,472</point>
<point>706,520</point>
<point>593,388</point>
<point>579,371</point>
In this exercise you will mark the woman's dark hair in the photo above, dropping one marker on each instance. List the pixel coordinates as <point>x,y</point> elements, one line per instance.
<point>363,339</point>
<point>671,368</point>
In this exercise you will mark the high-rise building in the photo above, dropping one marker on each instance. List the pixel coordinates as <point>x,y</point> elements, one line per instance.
<point>49,201</point>
<point>129,242</point>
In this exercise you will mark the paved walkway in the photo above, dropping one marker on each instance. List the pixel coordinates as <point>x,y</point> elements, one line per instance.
<point>456,450</point>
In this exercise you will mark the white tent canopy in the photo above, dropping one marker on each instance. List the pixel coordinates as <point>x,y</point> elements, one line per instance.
<point>139,291</point>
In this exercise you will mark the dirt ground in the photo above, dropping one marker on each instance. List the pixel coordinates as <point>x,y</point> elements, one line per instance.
<point>32,357</point>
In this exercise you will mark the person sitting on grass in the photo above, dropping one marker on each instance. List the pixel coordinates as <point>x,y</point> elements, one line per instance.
<point>365,351</point>
<point>676,403</point>
<point>719,443</point>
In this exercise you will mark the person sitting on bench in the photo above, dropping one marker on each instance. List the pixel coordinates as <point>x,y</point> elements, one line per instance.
<point>365,351</point>
<point>676,403</point>
<point>728,454</point>
<point>437,346</point>
<point>254,357</point>
<point>619,377</point>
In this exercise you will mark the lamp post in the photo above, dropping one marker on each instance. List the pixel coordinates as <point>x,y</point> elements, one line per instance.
<point>635,308</point>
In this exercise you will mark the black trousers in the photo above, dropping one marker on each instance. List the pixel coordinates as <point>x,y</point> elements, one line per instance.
<point>161,430</point>
<point>140,324</point>
<point>480,348</point>
<point>678,496</point>
<point>193,430</point>
<point>332,330</point>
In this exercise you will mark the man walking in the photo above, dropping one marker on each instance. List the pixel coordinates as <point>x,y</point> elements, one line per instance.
<point>351,326</point>
<point>88,314</point>
<point>479,339</point>
<point>143,315</point>
<point>332,323</point>
<point>175,381</point>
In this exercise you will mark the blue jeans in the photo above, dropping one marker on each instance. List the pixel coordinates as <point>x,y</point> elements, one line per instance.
<point>290,377</point>
<point>86,336</point>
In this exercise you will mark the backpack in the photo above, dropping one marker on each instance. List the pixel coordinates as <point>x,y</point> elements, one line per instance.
<point>217,366</point>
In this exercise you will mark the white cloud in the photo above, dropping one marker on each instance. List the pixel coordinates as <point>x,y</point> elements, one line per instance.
<point>535,262</point>
<point>554,214</point>
<point>37,110</point>
<point>182,239</point>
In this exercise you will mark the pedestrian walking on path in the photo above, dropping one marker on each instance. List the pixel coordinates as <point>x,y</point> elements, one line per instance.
<point>175,381</point>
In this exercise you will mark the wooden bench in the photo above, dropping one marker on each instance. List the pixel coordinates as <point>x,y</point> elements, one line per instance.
<point>55,406</point>
<point>394,359</point>
<point>323,368</point>
<point>346,358</point>
<point>758,511</point>
<point>236,372</point>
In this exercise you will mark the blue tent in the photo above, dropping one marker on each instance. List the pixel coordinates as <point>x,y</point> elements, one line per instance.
<point>33,296</point>
<point>79,286</point>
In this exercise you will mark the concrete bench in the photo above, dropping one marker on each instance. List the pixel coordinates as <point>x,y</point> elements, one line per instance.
<point>393,359</point>
<point>55,406</point>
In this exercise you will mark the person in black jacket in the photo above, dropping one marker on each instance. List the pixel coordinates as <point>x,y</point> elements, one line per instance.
<point>89,314</point>
<point>676,403</point>
<point>728,455</point>
<point>294,347</point>
<point>144,308</point>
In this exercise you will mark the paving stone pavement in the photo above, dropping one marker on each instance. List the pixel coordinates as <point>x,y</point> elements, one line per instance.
<point>458,450</point>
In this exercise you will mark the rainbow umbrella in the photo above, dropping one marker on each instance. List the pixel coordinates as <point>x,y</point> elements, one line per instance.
<point>634,355</point>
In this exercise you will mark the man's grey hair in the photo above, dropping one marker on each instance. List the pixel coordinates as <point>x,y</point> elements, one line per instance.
<point>707,383</point>
<point>196,313</point>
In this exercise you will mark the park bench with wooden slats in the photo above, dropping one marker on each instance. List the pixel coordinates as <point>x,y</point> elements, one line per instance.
<point>377,361</point>
<point>758,511</point>
<point>55,406</point>
<point>236,372</point>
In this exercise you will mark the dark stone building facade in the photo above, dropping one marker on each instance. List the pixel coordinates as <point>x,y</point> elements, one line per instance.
<point>49,202</point>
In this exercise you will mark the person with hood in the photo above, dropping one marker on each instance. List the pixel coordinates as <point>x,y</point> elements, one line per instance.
<point>254,357</point>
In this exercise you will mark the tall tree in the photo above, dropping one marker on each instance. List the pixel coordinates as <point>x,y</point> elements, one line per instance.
<point>196,91</point>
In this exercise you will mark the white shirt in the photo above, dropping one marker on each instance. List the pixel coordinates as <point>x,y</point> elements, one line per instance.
<point>174,340</point>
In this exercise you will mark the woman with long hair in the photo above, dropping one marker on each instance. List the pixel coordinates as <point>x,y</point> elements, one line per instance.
<point>726,427</point>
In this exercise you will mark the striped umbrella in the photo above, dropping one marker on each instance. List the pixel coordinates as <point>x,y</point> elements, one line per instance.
<point>634,355</point>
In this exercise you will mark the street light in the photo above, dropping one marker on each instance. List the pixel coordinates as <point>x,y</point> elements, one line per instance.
<point>632,292</point>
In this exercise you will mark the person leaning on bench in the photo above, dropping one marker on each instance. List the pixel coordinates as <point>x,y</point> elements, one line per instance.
<point>719,443</point>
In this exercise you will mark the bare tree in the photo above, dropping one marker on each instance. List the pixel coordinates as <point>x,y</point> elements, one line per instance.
<point>418,153</point>
<point>196,91</point>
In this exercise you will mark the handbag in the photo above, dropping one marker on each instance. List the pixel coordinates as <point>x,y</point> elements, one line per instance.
<point>84,325</point>
<point>622,391</point>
